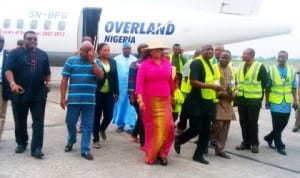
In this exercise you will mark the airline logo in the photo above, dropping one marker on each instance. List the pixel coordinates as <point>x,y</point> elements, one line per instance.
<point>120,31</point>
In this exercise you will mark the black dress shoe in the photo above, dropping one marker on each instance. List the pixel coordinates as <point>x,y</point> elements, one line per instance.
<point>254,149</point>
<point>20,149</point>
<point>68,147</point>
<point>281,151</point>
<point>242,147</point>
<point>269,141</point>
<point>176,145</point>
<point>201,160</point>
<point>37,153</point>
<point>87,156</point>
<point>163,161</point>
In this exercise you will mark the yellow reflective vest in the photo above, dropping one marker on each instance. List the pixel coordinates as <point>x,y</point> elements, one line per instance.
<point>207,93</point>
<point>185,82</point>
<point>180,62</point>
<point>179,99</point>
<point>281,89</point>
<point>249,86</point>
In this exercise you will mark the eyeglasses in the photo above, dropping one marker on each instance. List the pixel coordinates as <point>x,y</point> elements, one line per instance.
<point>31,39</point>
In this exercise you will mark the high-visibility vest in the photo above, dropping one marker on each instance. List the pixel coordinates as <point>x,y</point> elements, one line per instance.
<point>281,89</point>
<point>249,86</point>
<point>179,99</point>
<point>216,68</point>
<point>185,81</point>
<point>207,93</point>
<point>180,62</point>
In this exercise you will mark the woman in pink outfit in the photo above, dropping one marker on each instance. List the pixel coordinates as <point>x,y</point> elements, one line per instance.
<point>154,89</point>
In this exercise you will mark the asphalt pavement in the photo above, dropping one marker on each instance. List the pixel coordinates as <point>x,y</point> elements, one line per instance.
<point>120,157</point>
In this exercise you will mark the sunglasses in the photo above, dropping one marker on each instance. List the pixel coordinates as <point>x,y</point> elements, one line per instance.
<point>31,39</point>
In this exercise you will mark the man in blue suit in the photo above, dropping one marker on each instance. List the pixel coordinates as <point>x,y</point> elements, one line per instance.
<point>4,87</point>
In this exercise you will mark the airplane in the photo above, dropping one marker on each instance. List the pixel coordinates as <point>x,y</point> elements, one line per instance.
<point>61,25</point>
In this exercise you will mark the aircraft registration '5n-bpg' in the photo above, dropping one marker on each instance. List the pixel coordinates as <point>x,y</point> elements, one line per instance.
<point>61,24</point>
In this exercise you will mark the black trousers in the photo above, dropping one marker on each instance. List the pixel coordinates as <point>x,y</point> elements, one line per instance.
<point>104,104</point>
<point>279,122</point>
<point>249,124</point>
<point>20,112</point>
<point>183,117</point>
<point>139,126</point>
<point>199,126</point>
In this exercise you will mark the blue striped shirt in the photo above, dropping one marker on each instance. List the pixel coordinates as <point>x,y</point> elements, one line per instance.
<point>83,82</point>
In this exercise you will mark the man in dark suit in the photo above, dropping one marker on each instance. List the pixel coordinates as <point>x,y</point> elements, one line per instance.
<point>4,87</point>
<point>28,74</point>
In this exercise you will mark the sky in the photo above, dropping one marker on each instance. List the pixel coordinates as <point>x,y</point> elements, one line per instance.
<point>286,10</point>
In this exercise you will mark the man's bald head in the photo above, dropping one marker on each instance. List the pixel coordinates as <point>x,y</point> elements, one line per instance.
<point>86,45</point>
<point>248,55</point>
<point>218,50</point>
<point>207,51</point>
<point>85,48</point>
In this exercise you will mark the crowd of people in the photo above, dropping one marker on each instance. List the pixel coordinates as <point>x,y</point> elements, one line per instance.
<point>161,100</point>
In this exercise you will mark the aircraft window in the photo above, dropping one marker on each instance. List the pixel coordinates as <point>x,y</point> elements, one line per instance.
<point>6,23</point>
<point>47,24</point>
<point>33,24</point>
<point>61,25</point>
<point>20,24</point>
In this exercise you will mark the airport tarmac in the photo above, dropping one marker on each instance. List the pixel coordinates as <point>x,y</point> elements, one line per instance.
<point>120,157</point>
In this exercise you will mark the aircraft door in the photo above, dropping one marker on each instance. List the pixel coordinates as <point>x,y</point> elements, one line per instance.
<point>88,24</point>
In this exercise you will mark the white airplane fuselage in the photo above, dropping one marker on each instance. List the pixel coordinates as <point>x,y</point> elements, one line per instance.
<point>60,28</point>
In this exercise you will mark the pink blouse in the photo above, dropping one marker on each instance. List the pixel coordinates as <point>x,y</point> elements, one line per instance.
<point>154,79</point>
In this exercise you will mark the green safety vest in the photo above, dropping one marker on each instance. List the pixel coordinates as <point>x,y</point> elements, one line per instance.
<point>179,99</point>
<point>185,84</point>
<point>249,87</point>
<point>281,88</point>
<point>206,93</point>
<point>180,62</point>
